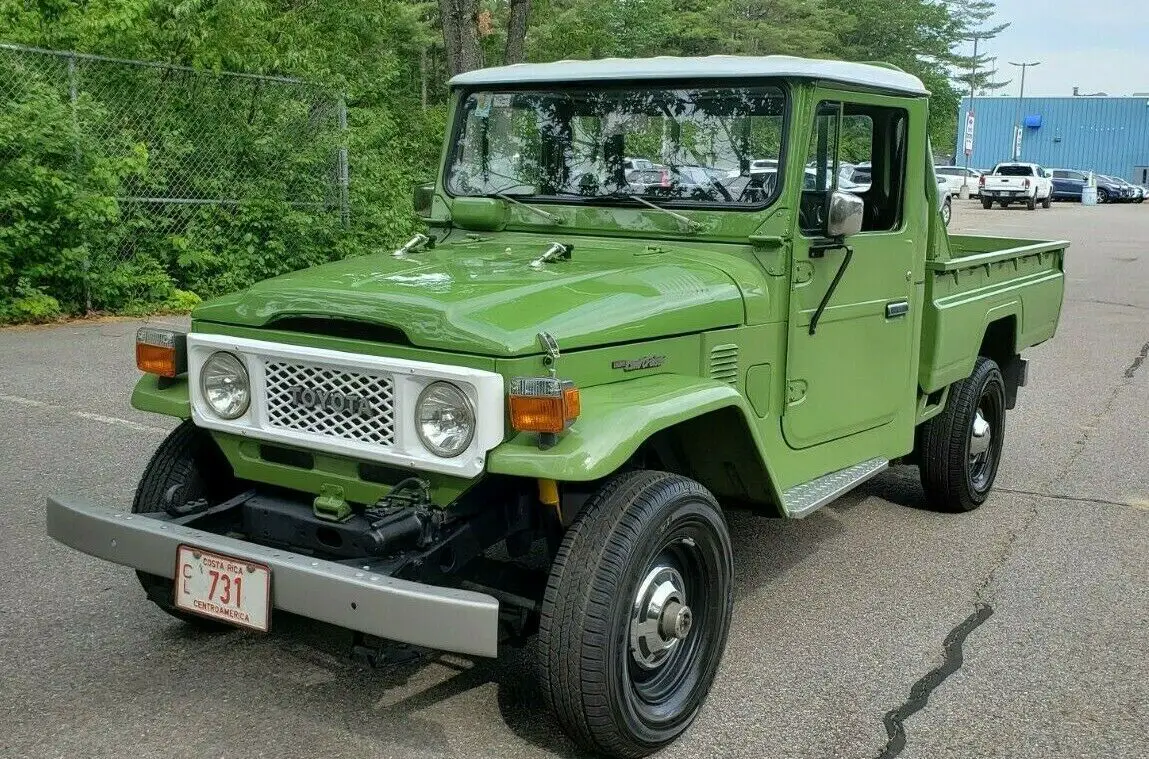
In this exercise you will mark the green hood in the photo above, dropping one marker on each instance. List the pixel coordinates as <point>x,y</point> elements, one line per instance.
<point>485,297</point>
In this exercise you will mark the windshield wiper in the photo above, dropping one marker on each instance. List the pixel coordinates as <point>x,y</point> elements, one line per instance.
<point>552,218</point>
<point>691,224</point>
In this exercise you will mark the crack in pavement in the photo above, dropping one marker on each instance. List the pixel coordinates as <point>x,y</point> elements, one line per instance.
<point>1137,361</point>
<point>1076,498</point>
<point>1107,303</point>
<point>952,659</point>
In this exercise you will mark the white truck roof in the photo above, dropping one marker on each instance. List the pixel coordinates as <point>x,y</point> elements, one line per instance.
<point>701,67</point>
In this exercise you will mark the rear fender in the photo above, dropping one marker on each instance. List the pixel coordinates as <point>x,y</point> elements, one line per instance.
<point>696,426</point>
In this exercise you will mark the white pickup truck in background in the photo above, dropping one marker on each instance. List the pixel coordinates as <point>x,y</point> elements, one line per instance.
<point>1016,183</point>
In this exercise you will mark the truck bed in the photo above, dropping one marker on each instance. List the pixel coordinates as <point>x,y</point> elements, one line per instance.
<point>982,281</point>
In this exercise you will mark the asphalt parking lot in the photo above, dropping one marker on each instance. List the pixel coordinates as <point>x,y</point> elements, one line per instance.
<point>836,617</point>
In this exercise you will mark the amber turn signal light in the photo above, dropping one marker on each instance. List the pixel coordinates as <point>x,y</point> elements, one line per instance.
<point>162,352</point>
<point>543,404</point>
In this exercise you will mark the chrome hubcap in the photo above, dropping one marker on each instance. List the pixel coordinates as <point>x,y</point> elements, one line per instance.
<point>660,619</point>
<point>980,438</point>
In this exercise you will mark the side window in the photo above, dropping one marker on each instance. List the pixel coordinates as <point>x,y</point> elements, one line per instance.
<point>820,174</point>
<point>860,149</point>
<point>1060,174</point>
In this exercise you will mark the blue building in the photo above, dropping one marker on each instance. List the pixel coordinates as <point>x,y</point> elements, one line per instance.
<point>1109,135</point>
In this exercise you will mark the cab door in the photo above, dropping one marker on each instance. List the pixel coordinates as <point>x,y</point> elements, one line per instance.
<point>850,354</point>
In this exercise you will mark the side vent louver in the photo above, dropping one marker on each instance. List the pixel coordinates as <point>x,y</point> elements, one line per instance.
<point>724,363</point>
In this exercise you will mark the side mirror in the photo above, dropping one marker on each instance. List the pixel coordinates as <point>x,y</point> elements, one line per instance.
<point>845,217</point>
<point>422,197</point>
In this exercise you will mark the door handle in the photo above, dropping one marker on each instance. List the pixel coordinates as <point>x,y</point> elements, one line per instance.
<point>897,308</point>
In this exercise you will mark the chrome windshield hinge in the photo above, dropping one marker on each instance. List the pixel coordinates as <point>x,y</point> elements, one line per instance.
<point>418,242</point>
<point>556,252</point>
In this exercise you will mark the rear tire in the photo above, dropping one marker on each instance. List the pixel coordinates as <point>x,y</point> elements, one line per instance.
<point>987,203</point>
<point>185,459</point>
<point>1048,201</point>
<point>960,448</point>
<point>636,613</point>
<point>1031,203</point>
<point>1102,196</point>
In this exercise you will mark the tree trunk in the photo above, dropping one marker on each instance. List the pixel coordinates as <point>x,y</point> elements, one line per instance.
<point>460,34</point>
<point>423,77</point>
<point>517,31</point>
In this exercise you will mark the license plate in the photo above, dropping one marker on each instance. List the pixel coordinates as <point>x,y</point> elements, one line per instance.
<point>221,587</point>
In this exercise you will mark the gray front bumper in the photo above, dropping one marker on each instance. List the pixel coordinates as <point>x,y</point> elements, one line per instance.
<point>447,619</point>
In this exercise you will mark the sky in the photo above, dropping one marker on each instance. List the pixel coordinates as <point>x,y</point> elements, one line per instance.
<point>1097,45</point>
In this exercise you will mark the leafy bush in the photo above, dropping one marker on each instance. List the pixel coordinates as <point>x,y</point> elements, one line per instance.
<point>30,305</point>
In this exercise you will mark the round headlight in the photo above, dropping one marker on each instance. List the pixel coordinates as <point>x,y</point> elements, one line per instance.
<point>444,419</point>
<point>223,380</point>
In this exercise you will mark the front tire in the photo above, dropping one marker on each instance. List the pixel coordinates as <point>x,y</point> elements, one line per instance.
<point>987,203</point>
<point>190,461</point>
<point>1102,196</point>
<point>961,447</point>
<point>636,613</point>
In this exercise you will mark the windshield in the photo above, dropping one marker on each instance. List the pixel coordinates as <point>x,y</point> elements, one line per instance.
<point>702,146</point>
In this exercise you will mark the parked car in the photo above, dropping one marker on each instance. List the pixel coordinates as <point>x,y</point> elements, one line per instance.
<point>637,163</point>
<point>674,181</point>
<point>1015,182</point>
<point>955,176</point>
<point>1069,183</point>
<point>1130,193</point>
<point>945,198</point>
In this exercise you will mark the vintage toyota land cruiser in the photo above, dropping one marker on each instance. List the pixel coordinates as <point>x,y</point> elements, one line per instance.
<point>525,421</point>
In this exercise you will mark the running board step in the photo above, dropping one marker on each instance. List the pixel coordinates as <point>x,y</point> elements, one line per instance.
<point>804,499</point>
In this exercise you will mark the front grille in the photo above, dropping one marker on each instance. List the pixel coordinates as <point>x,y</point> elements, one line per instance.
<point>323,414</point>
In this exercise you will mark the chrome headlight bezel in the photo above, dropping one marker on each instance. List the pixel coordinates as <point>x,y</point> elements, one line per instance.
<point>238,370</point>
<point>462,402</point>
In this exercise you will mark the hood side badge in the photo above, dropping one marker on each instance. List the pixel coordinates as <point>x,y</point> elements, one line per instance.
<point>556,252</point>
<point>418,242</point>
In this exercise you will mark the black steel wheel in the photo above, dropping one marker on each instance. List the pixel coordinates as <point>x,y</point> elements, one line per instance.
<point>191,464</point>
<point>636,613</point>
<point>960,448</point>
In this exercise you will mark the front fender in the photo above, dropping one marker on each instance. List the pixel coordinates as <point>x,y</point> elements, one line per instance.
<point>162,396</point>
<point>616,419</point>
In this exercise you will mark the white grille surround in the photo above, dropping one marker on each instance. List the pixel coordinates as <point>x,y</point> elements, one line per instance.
<point>336,423</point>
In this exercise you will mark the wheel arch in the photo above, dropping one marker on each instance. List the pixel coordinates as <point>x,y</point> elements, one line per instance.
<point>693,426</point>
<point>999,342</point>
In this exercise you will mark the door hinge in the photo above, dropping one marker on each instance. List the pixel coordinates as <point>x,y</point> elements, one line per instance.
<point>795,391</point>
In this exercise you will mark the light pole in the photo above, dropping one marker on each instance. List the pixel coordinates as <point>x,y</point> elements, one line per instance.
<point>1021,94</point>
<point>967,141</point>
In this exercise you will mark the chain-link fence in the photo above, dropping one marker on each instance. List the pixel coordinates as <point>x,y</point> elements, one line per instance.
<point>183,153</point>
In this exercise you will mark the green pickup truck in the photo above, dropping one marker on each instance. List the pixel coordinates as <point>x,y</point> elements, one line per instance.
<point>646,289</point>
